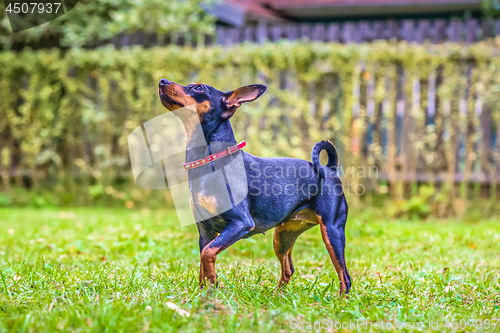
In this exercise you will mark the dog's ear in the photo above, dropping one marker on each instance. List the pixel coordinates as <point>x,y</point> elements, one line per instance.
<point>233,99</point>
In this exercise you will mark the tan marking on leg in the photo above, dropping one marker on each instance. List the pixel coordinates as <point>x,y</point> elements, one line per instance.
<point>207,267</point>
<point>286,271</point>
<point>333,257</point>
<point>306,215</point>
<point>300,222</point>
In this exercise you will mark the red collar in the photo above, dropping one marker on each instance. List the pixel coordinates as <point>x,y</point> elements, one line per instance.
<point>213,157</point>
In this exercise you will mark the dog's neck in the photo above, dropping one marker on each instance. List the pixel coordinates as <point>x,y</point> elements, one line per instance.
<point>223,133</point>
<point>219,139</point>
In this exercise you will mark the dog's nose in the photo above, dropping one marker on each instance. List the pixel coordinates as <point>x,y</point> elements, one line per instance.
<point>163,82</point>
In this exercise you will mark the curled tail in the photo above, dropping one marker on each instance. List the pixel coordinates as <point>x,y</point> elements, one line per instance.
<point>333,157</point>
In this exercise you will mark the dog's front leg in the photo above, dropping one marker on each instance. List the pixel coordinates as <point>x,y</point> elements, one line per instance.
<point>234,230</point>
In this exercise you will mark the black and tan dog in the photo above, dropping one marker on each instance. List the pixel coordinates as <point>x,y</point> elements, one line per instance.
<point>288,194</point>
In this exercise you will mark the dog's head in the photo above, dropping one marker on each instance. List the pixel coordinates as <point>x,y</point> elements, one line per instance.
<point>212,105</point>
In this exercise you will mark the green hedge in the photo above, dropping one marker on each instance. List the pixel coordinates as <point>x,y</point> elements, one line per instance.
<point>65,117</point>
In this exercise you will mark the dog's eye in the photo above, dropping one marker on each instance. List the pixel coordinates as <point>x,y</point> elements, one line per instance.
<point>198,88</point>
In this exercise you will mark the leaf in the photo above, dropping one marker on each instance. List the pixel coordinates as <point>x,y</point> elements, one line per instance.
<point>177,309</point>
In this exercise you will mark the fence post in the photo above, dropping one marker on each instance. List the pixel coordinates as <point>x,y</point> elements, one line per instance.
<point>333,34</point>
<point>431,95</point>
<point>348,32</point>
<point>471,34</point>
<point>468,113</point>
<point>487,27</point>
<point>305,31</point>
<point>497,160</point>
<point>455,31</point>
<point>431,121</point>
<point>390,111</point>
<point>394,30</point>
<point>408,34</point>
<point>378,28</point>
<point>318,33</point>
<point>423,31</point>
<point>126,40</point>
<point>354,134</point>
<point>248,34</point>
<point>486,154</point>
<point>439,31</point>
<point>221,34</point>
<point>4,174</point>
<point>233,36</point>
<point>262,34</point>
<point>439,125</point>
<point>365,32</point>
<point>418,118</point>
<point>116,41</point>
<point>291,31</point>
<point>276,32</point>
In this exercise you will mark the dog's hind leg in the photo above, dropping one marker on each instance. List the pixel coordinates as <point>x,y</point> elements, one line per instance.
<point>332,227</point>
<point>284,238</point>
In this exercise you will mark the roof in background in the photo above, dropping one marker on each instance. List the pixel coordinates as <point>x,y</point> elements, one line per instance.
<point>348,3</point>
<point>255,7</point>
<point>345,8</point>
<point>241,12</point>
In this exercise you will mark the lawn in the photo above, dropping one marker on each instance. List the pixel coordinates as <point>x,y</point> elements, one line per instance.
<point>96,269</point>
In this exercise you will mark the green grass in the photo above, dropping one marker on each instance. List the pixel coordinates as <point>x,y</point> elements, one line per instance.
<point>115,270</point>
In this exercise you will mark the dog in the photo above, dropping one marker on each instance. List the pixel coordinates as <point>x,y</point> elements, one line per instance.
<point>315,198</point>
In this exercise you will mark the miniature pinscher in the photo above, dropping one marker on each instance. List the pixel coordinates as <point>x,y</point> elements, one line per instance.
<point>288,194</point>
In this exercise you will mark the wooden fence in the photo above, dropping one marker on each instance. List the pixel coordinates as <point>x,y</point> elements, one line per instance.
<point>416,114</point>
<point>403,128</point>
<point>419,31</point>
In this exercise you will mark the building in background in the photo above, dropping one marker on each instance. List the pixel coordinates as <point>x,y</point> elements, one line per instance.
<point>238,13</point>
<point>352,20</point>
